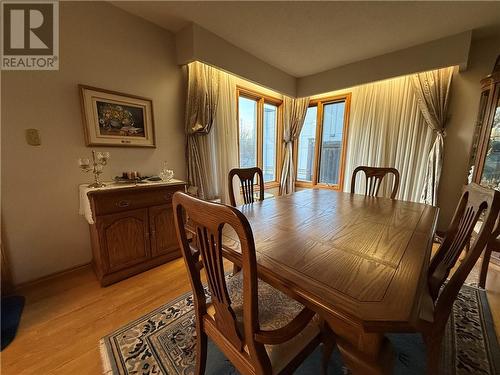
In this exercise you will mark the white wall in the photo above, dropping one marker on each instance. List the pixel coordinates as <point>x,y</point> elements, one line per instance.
<point>440,53</point>
<point>197,43</point>
<point>102,46</point>
<point>464,104</point>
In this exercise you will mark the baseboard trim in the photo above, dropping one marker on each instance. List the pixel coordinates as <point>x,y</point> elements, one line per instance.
<point>51,276</point>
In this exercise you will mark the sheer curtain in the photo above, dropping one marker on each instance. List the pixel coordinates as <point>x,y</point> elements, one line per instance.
<point>387,129</point>
<point>225,137</point>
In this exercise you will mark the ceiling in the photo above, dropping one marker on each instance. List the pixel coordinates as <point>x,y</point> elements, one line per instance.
<point>303,38</point>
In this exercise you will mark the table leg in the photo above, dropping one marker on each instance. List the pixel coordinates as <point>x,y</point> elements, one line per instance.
<point>378,359</point>
<point>363,353</point>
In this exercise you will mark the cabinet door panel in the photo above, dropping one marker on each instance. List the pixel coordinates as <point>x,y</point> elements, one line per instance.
<point>163,235</point>
<point>125,238</point>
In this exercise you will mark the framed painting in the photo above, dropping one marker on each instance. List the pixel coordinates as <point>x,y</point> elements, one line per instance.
<point>116,119</point>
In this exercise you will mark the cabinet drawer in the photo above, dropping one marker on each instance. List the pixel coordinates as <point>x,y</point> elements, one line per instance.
<point>118,201</point>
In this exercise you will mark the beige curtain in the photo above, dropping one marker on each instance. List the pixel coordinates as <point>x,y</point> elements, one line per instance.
<point>432,90</point>
<point>225,138</point>
<point>294,113</point>
<point>387,129</point>
<point>201,107</point>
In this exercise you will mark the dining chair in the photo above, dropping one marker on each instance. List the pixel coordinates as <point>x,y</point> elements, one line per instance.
<point>247,182</point>
<point>374,177</point>
<point>258,328</point>
<point>247,178</point>
<point>436,306</point>
<point>493,245</point>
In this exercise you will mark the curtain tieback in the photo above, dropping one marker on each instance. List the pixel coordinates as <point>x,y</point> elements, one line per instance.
<point>440,132</point>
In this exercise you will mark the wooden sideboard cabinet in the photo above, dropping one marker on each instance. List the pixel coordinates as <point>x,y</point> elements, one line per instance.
<point>133,231</point>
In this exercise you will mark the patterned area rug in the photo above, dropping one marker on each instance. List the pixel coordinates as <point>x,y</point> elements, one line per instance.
<point>162,342</point>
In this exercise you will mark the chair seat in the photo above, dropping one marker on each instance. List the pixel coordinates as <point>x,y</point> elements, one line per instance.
<point>276,310</point>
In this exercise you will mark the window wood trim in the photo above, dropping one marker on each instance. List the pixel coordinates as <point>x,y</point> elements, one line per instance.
<point>262,99</point>
<point>252,94</point>
<point>320,103</point>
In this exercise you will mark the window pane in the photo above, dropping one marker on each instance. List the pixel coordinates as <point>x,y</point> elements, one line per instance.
<point>307,141</point>
<point>269,142</point>
<point>248,132</point>
<point>331,143</point>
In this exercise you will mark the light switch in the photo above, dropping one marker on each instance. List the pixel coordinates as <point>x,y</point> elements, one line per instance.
<point>33,137</point>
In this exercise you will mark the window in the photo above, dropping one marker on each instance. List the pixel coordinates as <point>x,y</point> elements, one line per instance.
<point>259,121</point>
<point>322,142</point>
<point>307,146</point>
<point>248,132</point>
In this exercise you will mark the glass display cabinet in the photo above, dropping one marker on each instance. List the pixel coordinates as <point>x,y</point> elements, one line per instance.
<point>485,153</point>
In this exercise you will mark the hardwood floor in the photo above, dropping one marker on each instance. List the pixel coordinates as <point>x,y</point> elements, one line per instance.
<point>65,317</point>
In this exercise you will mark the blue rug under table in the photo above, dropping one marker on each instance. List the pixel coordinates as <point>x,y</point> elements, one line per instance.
<point>162,342</point>
<point>409,359</point>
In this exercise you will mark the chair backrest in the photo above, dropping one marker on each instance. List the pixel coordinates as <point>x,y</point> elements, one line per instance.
<point>476,202</point>
<point>374,177</point>
<point>246,176</point>
<point>494,244</point>
<point>208,220</point>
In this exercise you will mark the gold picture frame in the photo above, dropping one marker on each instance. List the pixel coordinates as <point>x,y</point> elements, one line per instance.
<point>116,119</point>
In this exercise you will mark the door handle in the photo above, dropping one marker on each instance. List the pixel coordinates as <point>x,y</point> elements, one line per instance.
<point>122,204</point>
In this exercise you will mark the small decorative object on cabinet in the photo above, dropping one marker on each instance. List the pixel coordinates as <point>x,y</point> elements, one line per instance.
<point>99,160</point>
<point>165,173</point>
<point>131,228</point>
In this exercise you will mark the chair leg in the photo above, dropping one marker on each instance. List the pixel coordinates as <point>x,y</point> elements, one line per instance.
<point>201,350</point>
<point>328,339</point>
<point>484,267</point>
<point>433,343</point>
<point>236,269</point>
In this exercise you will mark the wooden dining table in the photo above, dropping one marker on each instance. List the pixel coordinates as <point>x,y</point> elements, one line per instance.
<point>359,262</point>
